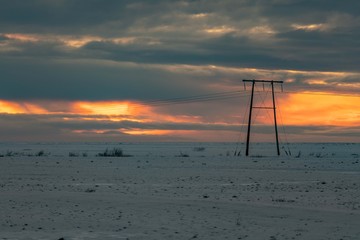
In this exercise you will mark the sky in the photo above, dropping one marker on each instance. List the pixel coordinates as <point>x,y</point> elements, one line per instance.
<point>129,70</point>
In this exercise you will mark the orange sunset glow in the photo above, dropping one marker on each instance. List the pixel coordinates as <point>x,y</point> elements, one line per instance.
<point>107,108</point>
<point>300,109</point>
<point>320,109</point>
<point>146,132</point>
<point>15,108</point>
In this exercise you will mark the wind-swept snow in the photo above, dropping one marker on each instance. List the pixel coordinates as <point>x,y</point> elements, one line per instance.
<point>159,193</point>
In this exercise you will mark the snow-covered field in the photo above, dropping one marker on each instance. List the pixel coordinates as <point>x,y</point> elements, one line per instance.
<point>179,191</point>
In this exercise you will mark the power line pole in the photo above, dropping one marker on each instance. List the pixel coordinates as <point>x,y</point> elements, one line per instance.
<point>251,107</point>
<point>275,123</point>
<point>249,122</point>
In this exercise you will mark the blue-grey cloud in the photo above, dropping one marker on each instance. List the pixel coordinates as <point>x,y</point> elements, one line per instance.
<point>181,37</point>
<point>139,50</point>
<point>88,80</point>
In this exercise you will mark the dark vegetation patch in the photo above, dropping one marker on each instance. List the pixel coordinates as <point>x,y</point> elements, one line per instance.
<point>115,152</point>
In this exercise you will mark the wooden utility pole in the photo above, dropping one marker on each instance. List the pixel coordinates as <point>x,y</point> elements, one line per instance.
<point>249,122</point>
<point>251,107</point>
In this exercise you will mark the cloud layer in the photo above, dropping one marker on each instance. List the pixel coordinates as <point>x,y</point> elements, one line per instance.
<point>75,50</point>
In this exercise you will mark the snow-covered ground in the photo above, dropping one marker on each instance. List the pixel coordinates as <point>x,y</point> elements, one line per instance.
<point>179,191</point>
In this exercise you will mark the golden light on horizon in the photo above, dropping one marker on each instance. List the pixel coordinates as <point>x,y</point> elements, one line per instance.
<point>108,108</point>
<point>146,132</point>
<point>309,27</point>
<point>99,108</point>
<point>316,82</point>
<point>199,15</point>
<point>219,30</point>
<point>9,107</point>
<point>79,42</point>
<point>22,37</point>
<point>67,40</point>
<point>320,109</point>
<point>18,108</point>
<point>300,109</point>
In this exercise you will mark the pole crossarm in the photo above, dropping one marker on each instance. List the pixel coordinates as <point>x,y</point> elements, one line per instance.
<point>262,81</point>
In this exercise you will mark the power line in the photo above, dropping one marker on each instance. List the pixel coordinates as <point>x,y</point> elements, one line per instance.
<point>187,100</point>
<point>237,153</point>
<point>191,100</point>
<point>193,97</point>
<point>217,96</point>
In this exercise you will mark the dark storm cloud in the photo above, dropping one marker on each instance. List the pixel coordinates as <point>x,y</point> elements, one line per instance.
<point>322,50</point>
<point>78,16</point>
<point>226,50</point>
<point>87,80</point>
<point>65,16</point>
<point>182,39</point>
<point>84,79</point>
<point>306,10</point>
